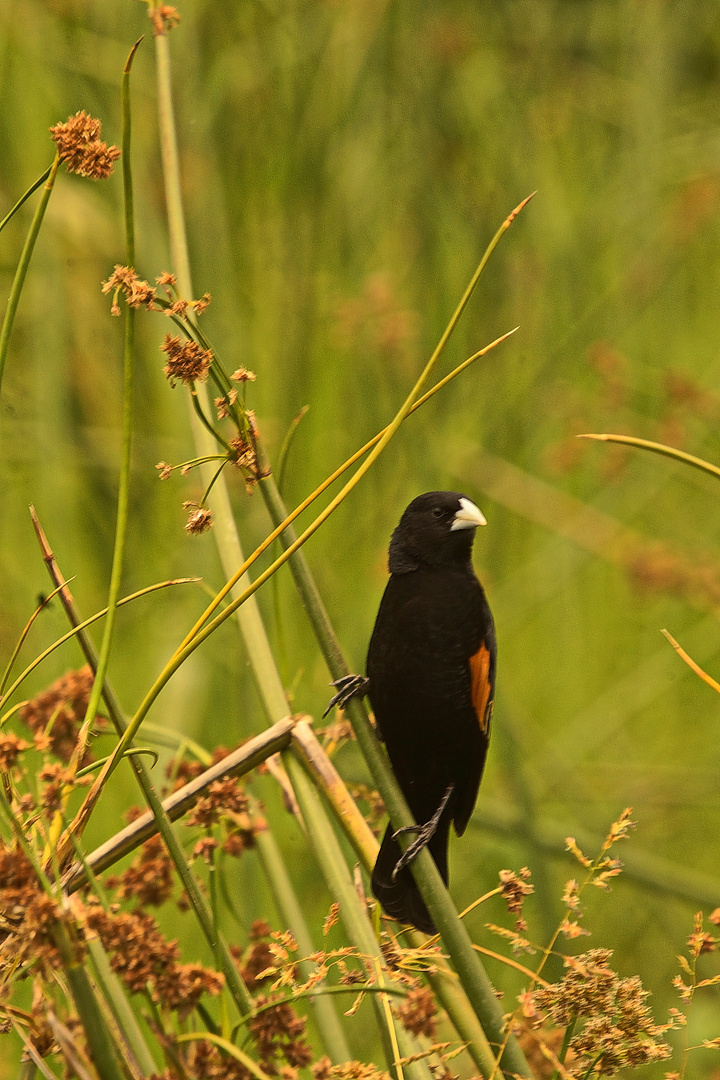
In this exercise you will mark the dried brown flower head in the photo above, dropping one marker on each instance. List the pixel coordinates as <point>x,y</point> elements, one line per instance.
<point>57,781</point>
<point>79,146</point>
<point>224,798</point>
<point>514,888</point>
<point>144,959</point>
<point>243,454</point>
<point>205,849</point>
<point>187,361</point>
<point>28,913</point>
<point>62,706</point>
<point>618,1030</point>
<point>164,470</point>
<point>10,749</point>
<point>149,878</point>
<point>243,375</point>
<point>163,18</point>
<point>224,404</point>
<point>279,1033</point>
<point>418,1011</point>
<point>199,519</point>
<point>138,293</point>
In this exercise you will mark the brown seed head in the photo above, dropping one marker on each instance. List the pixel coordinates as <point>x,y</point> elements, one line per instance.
<point>163,18</point>
<point>187,361</point>
<point>199,519</point>
<point>79,146</point>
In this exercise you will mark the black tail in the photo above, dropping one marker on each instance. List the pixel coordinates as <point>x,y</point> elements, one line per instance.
<point>401,898</point>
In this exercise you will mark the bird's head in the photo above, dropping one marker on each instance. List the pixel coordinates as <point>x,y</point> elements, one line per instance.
<point>437,529</point>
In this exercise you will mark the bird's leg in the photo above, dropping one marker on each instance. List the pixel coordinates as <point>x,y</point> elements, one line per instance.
<point>424,833</point>
<point>349,686</point>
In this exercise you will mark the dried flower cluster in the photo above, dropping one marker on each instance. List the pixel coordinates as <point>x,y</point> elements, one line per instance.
<point>55,715</point>
<point>163,18</point>
<point>199,519</point>
<point>80,147</point>
<point>349,1070</point>
<point>149,879</point>
<point>145,960</point>
<point>616,1027</point>
<point>186,361</point>
<point>27,916</point>
<point>514,888</point>
<point>140,293</point>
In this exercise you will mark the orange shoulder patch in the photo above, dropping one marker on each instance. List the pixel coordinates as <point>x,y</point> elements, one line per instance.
<point>480,688</point>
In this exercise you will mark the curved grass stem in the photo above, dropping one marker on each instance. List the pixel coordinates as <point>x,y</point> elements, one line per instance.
<point>24,263</point>
<point>658,448</point>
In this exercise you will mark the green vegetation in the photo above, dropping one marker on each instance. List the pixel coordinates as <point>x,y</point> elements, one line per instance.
<point>343,169</point>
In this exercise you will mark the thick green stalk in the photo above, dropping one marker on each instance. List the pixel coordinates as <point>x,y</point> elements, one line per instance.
<point>352,912</point>
<point>117,1000</point>
<point>104,1052</point>
<point>262,662</point>
<point>444,982</point>
<point>22,267</point>
<point>225,532</point>
<point>292,915</point>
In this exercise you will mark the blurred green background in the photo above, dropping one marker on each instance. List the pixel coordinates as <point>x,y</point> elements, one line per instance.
<point>345,165</point>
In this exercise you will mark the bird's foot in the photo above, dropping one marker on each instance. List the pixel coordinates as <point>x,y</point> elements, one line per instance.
<point>349,686</point>
<point>424,834</point>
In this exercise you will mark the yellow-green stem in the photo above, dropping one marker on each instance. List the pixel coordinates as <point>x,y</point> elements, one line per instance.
<point>22,267</point>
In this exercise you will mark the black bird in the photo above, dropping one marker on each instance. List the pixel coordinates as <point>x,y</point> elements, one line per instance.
<point>430,680</point>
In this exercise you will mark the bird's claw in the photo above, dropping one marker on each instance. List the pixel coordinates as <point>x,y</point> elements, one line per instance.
<point>424,835</point>
<point>349,686</point>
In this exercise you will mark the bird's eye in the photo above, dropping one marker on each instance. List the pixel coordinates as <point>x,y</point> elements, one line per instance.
<point>437,512</point>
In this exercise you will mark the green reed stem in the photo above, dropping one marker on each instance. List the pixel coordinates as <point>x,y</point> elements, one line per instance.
<point>121,522</point>
<point>22,267</point>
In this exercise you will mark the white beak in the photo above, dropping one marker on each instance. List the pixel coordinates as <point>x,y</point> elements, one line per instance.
<point>468,516</point>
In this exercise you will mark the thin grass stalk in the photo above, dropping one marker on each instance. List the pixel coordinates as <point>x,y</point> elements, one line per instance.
<point>353,915</point>
<point>21,640</point>
<point>24,263</point>
<point>708,679</point>
<point>659,448</point>
<point>78,630</point>
<point>23,198</point>
<point>121,522</point>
